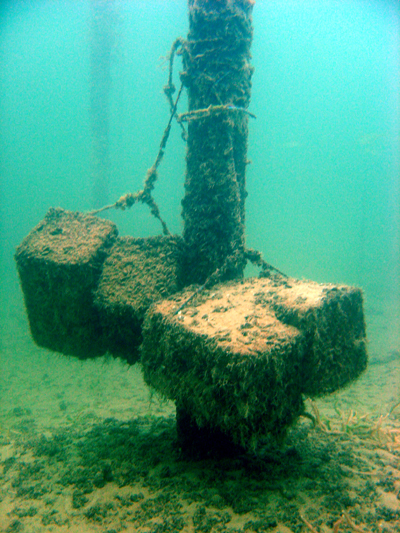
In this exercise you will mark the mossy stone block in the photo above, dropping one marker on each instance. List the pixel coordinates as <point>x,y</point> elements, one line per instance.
<point>59,265</point>
<point>240,358</point>
<point>137,273</point>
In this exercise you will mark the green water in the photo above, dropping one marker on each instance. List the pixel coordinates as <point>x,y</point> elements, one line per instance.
<point>323,204</point>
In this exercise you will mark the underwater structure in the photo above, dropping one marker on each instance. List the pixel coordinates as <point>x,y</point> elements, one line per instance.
<point>237,356</point>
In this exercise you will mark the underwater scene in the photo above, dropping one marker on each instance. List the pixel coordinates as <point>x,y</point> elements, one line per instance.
<point>200,266</point>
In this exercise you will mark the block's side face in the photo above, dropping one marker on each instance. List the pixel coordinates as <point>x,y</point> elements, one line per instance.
<point>246,397</point>
<point>333,322</point>
<point>338,354</point>
<point>137,273</point>
<point>60,310</point>
<point>58,280</point>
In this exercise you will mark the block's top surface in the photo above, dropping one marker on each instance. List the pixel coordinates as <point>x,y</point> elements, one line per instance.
<point>303,294</point>
<point>68,237</point>
<point>234,315</point>
<point>140,271</point>
<point>300,296</point>
<point>245,317</point>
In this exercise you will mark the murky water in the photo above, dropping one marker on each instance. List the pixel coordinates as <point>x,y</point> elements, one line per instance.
<point>84,445</point>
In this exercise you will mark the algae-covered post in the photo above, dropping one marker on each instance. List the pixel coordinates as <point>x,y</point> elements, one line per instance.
<point>217,75</point>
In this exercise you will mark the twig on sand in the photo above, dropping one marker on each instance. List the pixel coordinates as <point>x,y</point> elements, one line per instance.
<point>336,526</point>
<point>317,417</point>
<point>309,525</point>
<point>354,526</point>
<point>395,406</point>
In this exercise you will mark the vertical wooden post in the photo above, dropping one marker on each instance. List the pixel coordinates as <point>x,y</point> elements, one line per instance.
<point>217,72</point>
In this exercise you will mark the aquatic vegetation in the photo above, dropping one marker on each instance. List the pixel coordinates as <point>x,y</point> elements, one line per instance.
<point>344,521</point>
<point>382,431</point>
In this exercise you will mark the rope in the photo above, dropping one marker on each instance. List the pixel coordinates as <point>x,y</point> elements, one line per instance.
<point>144,196</point>
<point>211,110</point>
<point>169,89</point>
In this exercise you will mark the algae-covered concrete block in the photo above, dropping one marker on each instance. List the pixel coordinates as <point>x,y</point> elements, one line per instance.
<point>59,264</point>
<point>137,273</point>
<point>225,361</point>
<point>240,357</point>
